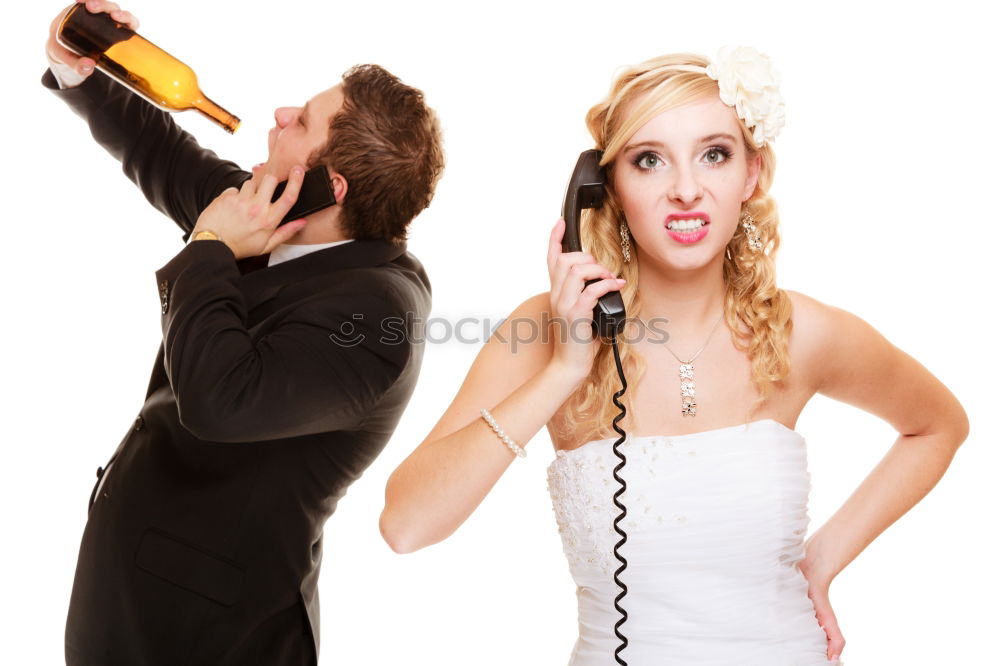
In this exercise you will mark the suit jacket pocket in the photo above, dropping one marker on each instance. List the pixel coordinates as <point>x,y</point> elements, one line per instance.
<point>190,567</point>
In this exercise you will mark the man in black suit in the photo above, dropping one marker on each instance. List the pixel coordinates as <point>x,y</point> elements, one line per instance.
<point>284,369</point>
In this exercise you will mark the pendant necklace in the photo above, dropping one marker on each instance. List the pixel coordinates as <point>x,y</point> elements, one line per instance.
<point>688,405</point>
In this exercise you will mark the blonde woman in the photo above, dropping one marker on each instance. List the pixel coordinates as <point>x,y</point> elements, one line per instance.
<point>720,362</point>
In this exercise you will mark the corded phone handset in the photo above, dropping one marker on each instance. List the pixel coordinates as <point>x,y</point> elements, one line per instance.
<point>586,190</point>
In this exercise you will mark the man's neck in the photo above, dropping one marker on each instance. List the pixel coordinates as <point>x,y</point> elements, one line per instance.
<point>321,227</point>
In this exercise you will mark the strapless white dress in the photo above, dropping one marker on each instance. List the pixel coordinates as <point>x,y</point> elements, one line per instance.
<point>716,525</point>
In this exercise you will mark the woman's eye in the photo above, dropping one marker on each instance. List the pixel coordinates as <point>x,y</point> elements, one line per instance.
<point>716,155</point>
<point>647,161</point>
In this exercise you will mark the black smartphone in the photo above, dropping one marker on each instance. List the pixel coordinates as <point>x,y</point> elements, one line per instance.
<point>316,194</point>
<point>586,190</point>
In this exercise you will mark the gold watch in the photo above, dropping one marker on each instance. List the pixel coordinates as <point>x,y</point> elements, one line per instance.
<point>205,234</point>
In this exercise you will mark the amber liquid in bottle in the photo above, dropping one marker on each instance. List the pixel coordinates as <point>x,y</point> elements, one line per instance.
<point>147,69</point>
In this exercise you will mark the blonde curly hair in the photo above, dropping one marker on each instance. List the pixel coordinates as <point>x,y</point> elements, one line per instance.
<point>757,311</point>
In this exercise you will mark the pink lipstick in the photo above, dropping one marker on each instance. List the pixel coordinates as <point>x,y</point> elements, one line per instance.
<point>688,227</point>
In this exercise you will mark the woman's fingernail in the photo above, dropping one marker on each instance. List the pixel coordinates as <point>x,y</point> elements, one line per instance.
<point>835,657</point>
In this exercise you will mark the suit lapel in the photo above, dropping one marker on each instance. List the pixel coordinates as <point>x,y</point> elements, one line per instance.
<point>261,286</point>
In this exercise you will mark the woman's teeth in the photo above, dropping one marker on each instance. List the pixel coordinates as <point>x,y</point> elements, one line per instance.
<point>685,225</point>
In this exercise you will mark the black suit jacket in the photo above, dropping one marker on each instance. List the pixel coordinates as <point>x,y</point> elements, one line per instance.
<point>271,393</point>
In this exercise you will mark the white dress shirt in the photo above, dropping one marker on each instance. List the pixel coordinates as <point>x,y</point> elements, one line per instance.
<point>287,251</point>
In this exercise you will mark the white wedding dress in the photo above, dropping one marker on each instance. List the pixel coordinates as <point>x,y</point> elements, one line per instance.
<point>716,523</point>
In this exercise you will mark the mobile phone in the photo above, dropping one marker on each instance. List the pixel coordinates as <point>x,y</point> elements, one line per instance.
<point>315,194</point>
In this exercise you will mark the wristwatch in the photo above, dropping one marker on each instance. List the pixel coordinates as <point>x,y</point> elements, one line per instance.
<point>205,234</point>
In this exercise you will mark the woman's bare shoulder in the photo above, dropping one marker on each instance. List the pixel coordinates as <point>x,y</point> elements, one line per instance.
<point>526,327</point>
<point>813,322</point>
<point>515,351</point>
<point>857,365</point>
<point>805,307</point>
<point>826,337</point>
<point>535,306</point>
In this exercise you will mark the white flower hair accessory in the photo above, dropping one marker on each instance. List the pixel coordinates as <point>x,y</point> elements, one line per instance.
<point>748,82</point>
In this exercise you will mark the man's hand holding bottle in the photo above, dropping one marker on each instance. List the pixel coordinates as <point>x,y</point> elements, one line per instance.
<point>71,69</point>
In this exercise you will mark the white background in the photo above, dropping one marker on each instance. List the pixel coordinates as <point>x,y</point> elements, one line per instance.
<point>886,181</point>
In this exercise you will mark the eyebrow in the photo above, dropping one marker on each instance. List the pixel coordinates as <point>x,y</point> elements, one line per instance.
<point>704,139</point>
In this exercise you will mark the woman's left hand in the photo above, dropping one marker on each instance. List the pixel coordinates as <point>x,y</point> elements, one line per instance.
<point>246,220</point>
<point>819,592</point>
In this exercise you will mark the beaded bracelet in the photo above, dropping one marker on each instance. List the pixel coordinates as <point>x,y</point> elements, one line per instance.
<point>521,453</point>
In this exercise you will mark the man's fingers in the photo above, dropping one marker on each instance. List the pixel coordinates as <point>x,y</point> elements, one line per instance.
<point>226,193</point>
<point>125,17</point>
<point>283,234</point>
<point>284,203</point>
<point>95,6</point>
<point>56,51</point>
<point>85,66</point>
<point>59,54</point>
<point>82,65</point>
<point>116,12</point>
<point>265,188</point>
<point>257,172</point>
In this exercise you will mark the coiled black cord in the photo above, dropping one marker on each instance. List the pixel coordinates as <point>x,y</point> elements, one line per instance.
<point>621,507</point>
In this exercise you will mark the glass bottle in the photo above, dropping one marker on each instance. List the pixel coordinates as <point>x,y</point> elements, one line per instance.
<point>126,56</point>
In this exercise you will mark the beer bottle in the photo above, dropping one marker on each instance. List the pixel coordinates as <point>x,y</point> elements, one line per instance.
<point>138,63</point>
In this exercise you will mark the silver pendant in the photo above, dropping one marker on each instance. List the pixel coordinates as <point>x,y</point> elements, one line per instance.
<point>688,405</point>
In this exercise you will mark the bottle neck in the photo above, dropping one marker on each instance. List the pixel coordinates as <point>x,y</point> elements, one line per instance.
<point>216,113</point>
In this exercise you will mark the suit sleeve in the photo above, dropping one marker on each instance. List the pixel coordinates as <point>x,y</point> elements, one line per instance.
<point>176,175</point>
<point>322,369</point>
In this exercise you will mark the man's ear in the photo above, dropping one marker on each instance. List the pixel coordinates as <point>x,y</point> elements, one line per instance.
<point>339,185</point>
<point>753,173</point>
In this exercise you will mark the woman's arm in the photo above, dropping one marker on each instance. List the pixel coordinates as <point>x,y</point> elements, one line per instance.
<point>523,374</point>
<point>860,367</point>
<point>851,362</point>
<point>443,481</point>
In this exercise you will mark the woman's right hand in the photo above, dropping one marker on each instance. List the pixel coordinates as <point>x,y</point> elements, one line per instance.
<point>83,65</point>
<point>575,344</point>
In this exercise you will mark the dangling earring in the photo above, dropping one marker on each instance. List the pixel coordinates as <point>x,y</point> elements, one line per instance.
<point>626,247</point>
<point>753,238</point>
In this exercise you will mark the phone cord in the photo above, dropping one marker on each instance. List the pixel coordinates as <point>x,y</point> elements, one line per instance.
<point>621,507</point>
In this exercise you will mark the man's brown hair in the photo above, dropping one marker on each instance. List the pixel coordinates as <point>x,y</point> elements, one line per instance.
<point>387,144</point>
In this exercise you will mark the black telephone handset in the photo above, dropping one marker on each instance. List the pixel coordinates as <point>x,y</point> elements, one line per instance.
<point>314,195</point>
<point>586,190</point>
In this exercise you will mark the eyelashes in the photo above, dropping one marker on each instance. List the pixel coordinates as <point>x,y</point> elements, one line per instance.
<point>647,161</point>
<point>642,161</point>
<point>721,150</point>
